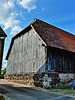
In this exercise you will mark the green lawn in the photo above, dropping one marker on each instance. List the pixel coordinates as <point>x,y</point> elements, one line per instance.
<point>67,90</point>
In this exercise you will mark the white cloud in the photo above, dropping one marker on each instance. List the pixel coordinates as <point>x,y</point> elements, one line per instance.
<point>8,17</point>
<point>9,4</point>
<point>11,21</point>
<point>15,29</point>
<point>27,4</point>
<point>21,15</point>
<point>43,9</point>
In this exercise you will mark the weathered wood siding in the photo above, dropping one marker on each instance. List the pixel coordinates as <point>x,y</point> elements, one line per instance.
<point>27,54</point>
<point>60,61</point>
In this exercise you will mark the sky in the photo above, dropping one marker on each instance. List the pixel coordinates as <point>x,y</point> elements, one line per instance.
<point>15,15</point>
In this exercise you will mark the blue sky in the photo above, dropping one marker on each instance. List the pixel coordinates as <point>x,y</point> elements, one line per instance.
<point>17,14</point>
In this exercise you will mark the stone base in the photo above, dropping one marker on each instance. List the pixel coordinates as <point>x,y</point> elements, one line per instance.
<point>45,80</point>
<point>26,78</point>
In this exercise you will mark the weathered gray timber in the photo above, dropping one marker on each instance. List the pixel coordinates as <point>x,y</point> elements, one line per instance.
<point>27,54</point>
<point>60,60</point>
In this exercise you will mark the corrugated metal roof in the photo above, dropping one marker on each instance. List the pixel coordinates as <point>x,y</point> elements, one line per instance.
<point>2,33</point>
<point>51,35</point>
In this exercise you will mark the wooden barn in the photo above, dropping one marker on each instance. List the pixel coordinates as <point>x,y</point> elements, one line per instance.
<point>2,38</point>
<point>41,47</point>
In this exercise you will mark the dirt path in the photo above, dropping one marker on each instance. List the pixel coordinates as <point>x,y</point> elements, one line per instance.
<point>14,91</point>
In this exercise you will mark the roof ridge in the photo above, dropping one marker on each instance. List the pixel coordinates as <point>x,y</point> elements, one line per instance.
<point>25,28</point>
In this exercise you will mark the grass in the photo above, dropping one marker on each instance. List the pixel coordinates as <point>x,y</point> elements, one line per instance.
<point>67,90</point>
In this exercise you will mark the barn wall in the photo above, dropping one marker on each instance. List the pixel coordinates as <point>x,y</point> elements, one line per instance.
<point>27,54</point>
<point>60,61</point>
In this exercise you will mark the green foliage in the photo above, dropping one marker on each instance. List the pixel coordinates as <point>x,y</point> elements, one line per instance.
<point>64,90</point>
<point>3,71</point>
<point>1,97</point>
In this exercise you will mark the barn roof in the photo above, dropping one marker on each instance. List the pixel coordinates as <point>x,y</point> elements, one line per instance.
<point>2,33</point>
<point>51,35</point>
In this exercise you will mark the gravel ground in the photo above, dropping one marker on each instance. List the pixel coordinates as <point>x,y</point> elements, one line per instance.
<point>14,91</point>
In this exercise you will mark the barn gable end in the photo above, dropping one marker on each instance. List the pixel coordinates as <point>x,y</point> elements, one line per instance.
<point>27,54</point>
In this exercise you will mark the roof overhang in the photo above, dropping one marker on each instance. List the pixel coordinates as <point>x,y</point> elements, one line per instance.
<point>2,33</point>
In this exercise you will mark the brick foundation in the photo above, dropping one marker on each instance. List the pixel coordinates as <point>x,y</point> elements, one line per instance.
<point>46,80</point>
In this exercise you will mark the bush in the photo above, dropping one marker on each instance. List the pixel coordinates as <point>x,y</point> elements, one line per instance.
<point>3,71</point>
